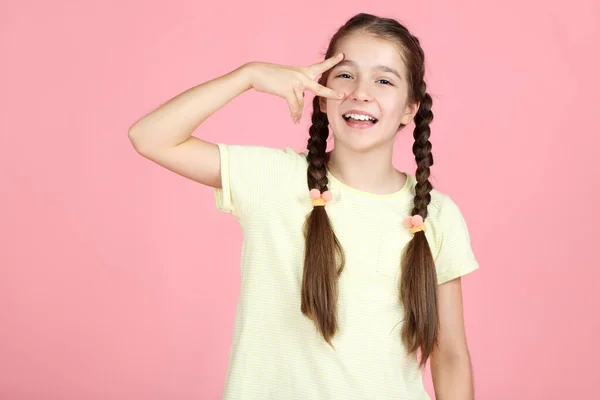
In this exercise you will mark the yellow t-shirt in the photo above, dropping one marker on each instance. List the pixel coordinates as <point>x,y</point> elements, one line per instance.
<point>276,352</point>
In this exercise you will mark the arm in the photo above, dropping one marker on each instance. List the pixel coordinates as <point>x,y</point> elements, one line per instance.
<point>450,361</point>
<point>165,135</point>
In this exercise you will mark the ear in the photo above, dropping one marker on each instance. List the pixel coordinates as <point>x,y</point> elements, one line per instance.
<point>411,111</point>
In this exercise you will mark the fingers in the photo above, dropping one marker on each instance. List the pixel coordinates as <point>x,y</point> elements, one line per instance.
<point>324,65</point>
<point>323,91</point>
<point>295,105</point>
<point>300,101</point>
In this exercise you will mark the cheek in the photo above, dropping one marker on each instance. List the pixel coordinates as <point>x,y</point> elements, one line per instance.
<point>392,103</point>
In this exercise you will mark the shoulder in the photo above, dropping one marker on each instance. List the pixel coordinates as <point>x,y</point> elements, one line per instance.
<point>448,232</point>
<point>441,204</point>
<point>262,152</point>
<point>443,213</point>
<point>440,201</point>
<point>255,159</point>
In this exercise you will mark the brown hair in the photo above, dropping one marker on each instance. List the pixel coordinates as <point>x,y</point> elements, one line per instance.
<point>324,259</point>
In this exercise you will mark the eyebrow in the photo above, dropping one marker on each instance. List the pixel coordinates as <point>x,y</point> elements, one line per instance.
<point>379,67</point>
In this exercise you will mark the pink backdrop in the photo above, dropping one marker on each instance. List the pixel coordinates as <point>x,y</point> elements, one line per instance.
<point>119,279</point>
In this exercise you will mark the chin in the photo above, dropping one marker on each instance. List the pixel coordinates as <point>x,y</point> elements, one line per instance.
<point>359,144</point>
<point>361,140</point>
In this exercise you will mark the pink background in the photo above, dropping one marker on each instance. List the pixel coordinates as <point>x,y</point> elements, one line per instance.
<point>119,279</point>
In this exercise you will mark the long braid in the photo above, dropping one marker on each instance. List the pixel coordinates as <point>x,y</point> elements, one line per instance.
<point>320,277</point>
<point>418,287</point>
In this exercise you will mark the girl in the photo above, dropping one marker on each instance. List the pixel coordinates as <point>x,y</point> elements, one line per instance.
<point>350,268</point>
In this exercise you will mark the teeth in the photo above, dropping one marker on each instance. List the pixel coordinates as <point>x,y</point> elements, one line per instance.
<point>359,117</point>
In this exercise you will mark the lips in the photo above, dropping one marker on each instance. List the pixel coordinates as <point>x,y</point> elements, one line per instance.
<point>356,123</point>
<point>359,112</point>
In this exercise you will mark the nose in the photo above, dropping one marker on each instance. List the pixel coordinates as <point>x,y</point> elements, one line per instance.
<point>361,92</point>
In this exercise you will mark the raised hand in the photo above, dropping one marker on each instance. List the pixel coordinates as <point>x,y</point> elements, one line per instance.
<point>290,82</point>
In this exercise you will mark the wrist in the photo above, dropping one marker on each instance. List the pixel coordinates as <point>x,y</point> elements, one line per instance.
<point>245,75</point>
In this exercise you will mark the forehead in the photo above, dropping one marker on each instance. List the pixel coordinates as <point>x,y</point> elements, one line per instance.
<point>369,51</point>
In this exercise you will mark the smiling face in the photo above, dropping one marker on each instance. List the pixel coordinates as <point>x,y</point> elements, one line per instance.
<point>373,78</point>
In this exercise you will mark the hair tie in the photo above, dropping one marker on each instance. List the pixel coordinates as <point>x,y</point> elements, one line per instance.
<point>416,222</point>
<point>318,198</point>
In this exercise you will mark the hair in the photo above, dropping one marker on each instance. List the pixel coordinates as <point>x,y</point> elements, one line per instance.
<point>324,259</point>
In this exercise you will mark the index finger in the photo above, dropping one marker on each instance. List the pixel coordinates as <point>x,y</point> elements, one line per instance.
<point>324,65</point>
<point>323,91</point>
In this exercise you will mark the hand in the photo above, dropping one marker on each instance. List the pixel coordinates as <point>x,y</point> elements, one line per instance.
<point>290,82</point>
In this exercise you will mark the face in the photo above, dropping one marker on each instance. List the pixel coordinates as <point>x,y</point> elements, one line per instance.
<point>372,76</point>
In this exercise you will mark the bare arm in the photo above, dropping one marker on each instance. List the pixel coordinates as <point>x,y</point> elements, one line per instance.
<point>165,135</point>
<point>450,361</point>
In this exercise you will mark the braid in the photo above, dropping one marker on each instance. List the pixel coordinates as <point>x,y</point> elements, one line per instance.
<point>320,277</point>
<point>317,148</point>
<point>422,151</point>
<point>418,287</point>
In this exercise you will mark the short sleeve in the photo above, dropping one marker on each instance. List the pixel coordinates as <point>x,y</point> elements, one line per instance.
<point>249,175</point>
<point>454,256</point>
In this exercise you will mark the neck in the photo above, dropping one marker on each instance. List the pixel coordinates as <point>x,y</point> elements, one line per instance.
<point>371,172</point>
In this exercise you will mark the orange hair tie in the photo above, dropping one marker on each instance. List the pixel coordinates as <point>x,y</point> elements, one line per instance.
<point>416,222</point>
<point>318,198</point>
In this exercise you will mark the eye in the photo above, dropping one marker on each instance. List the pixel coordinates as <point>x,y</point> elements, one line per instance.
<point>385,80</point>
<point>343,74</point>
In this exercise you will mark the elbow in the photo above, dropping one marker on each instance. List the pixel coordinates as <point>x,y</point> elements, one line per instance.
<point>135,138</point>
<point>148,143</point>
<point>451,357</point>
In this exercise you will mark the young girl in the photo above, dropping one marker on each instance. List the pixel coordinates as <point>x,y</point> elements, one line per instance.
<point>350,268</point>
